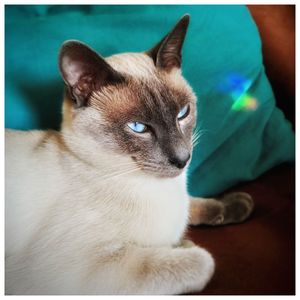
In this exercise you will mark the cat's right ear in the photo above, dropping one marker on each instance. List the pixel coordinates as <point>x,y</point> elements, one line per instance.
<point>167,53</point>
<point>83,70</point>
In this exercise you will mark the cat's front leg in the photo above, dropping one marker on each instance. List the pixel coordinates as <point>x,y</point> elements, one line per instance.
<point>170,271</point>
<point>231,208</point>
<point>147,270</point>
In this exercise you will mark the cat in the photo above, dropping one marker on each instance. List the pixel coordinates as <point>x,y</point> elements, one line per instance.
<point>101,207</point>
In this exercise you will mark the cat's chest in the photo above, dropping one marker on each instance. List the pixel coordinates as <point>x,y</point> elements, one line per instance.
<point>145,211</point>
<point>161,212</point>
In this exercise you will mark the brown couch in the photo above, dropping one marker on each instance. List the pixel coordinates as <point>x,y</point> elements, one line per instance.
<point>258,256</point>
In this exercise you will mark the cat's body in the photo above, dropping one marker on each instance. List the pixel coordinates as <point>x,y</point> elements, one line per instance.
<point>91,216</point>
<point>101,207</point>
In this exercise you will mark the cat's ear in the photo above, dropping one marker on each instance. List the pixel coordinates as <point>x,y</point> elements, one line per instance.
<point>84,70</point>
<point>167,53</point>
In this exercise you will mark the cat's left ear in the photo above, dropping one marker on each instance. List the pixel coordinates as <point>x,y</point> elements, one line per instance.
<point>84,70</point>
<point>167,53</point>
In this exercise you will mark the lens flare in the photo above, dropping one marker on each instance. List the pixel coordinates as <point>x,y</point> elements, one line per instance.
<point>237,86</point>
<point>244,102</point>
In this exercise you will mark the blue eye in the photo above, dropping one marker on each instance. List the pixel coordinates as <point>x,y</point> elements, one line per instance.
<point>137,127</point>
<point>183,113</point>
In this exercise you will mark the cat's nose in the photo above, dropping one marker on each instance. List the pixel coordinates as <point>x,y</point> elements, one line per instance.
<point>180,161</point>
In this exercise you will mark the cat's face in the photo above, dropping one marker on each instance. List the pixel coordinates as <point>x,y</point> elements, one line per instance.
<point>141,105</point>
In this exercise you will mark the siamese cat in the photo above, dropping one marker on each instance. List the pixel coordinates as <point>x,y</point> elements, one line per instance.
<point>101,206</point>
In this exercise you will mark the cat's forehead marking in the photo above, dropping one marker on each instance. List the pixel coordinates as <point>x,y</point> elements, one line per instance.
<point>124,101</point>
<point>145,100</point>
<point>135,64</point>
<point>147,94</point>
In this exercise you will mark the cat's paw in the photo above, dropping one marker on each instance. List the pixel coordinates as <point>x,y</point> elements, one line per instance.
<point>200,266</point>
<point>237,208</point>
<point>231,208</point>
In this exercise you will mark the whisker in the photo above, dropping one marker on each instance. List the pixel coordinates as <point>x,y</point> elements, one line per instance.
<point>198,133</point>
<point>116,175</point>
<point>197,139</point>
<point>123,165</point>
<point>194,145</point>
<point>115,171</point>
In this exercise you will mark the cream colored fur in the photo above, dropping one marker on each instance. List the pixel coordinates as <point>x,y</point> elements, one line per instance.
<point>76,225</point>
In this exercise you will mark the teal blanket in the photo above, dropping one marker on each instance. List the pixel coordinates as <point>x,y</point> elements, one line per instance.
<point>241,132</point>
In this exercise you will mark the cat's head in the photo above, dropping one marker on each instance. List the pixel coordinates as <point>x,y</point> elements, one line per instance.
<point>137,104</point>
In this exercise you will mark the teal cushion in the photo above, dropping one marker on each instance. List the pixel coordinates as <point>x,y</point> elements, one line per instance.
<point>241,132</point>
